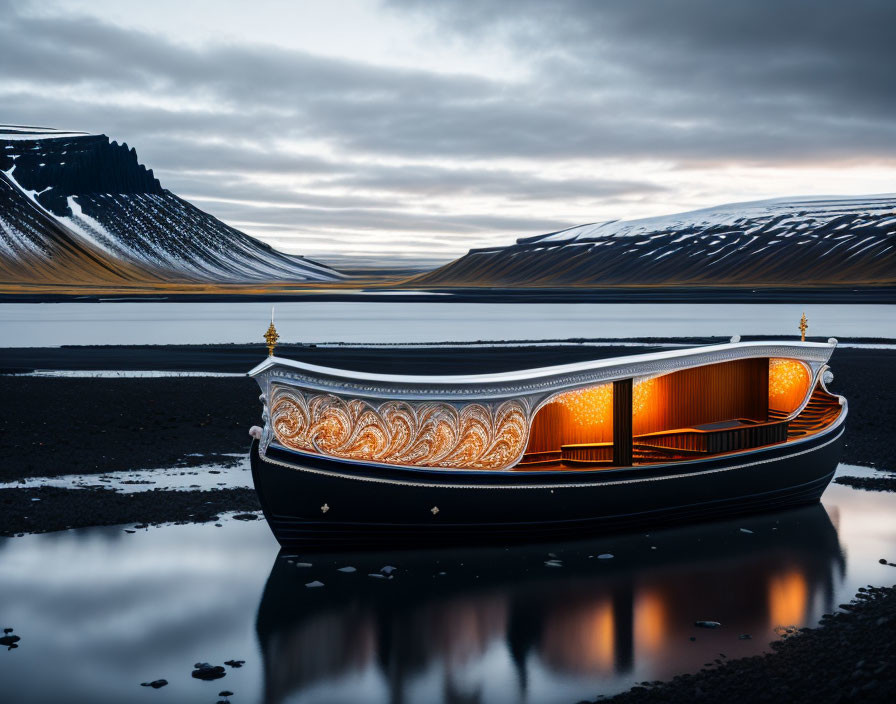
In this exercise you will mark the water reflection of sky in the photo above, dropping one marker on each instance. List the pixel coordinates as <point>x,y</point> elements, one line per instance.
<point>100,610</point>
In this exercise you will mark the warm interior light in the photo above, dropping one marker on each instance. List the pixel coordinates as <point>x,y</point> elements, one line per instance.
<point>788,596</point>
<point>650,621</point>
<point>589,407</point>
<point>788,384</point>
<point>579,637</point>
<point>643,393</point>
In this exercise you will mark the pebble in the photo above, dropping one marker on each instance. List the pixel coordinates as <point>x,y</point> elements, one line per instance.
<point>245,517</point>
<point>605,556</point>
<point>207,672</point>
<point>314,584</point>
<point>10,641</point>
<point>553,563</point>
<point>388,569</point>
<point>746,530</point>
<point>234,663</point>
<point>707,624</point>
<point>155,684</point>
<point>348,569</point>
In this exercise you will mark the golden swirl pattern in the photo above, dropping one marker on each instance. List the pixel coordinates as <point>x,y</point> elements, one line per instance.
<point>419,434</point>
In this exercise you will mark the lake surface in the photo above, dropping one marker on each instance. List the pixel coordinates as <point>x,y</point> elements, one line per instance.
<point>52,324</point>
<point>100,610</point>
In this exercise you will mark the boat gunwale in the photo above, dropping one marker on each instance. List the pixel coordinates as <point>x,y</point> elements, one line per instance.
<point>813,353</point>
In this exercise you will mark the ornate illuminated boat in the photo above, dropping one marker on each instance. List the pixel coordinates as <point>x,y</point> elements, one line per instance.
<point>361,458</point>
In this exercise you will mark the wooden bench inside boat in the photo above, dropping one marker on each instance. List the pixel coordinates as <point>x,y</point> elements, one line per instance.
<point>719,436</point>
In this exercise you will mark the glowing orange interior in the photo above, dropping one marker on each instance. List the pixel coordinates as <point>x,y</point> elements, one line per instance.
<point>788,384</point>
<point>578,416</point>
<point>682,399</point>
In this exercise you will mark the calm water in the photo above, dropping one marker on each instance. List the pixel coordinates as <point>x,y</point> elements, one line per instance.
<point>99,611</point>
<point>50,324</point>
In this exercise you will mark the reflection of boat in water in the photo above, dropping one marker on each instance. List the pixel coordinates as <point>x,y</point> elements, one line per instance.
<point>420,635</point>
<point>354,458</point>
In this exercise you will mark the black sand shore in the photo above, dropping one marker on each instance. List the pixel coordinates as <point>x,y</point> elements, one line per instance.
<point>46,509</point>
<point>849,658</point>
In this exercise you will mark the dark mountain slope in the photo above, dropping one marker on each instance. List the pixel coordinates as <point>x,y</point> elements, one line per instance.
<point>94,199</point>
<point>815,242</point>
<point>35,247</point>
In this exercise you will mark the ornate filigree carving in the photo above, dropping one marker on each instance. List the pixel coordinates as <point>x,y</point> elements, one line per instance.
<point>419,434</point>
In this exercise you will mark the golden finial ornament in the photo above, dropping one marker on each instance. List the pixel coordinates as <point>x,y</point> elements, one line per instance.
<point>804,325</point>
<point>271,336</point>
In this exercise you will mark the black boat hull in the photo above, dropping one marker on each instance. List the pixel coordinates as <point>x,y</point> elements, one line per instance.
<point>316,503</point>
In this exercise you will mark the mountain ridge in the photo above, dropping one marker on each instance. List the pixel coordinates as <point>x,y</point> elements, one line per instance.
<point>79,209</point>
<point>807,241</point>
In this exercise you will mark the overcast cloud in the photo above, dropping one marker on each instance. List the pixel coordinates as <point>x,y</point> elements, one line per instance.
<point>421,129</point>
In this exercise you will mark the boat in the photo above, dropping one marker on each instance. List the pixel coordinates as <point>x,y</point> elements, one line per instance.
<point>353,459</point>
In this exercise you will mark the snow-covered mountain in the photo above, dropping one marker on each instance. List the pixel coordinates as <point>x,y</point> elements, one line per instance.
<point>803,241</point>
<point>77,209</point>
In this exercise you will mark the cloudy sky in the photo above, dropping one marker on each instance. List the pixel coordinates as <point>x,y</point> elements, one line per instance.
<point>366,131</point>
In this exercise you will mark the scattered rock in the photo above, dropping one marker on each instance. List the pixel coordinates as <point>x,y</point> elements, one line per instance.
<point>9,641</point>
<point>707,624</point>
<point>155,684</point>
<point>388,569</point>
<point>314,584</point>
<point>207,672</point>
<point>246,517</point>
<point>347,569</point>
<point>553,563</point>
<point>303,564</point>
<point>233,663</point>
<point>225,693</point>
<point>746,530</point>
<point>605,556</point>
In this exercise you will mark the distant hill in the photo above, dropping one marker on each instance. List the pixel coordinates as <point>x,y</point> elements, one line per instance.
<point>797,242</point>
<point>77,209</point>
